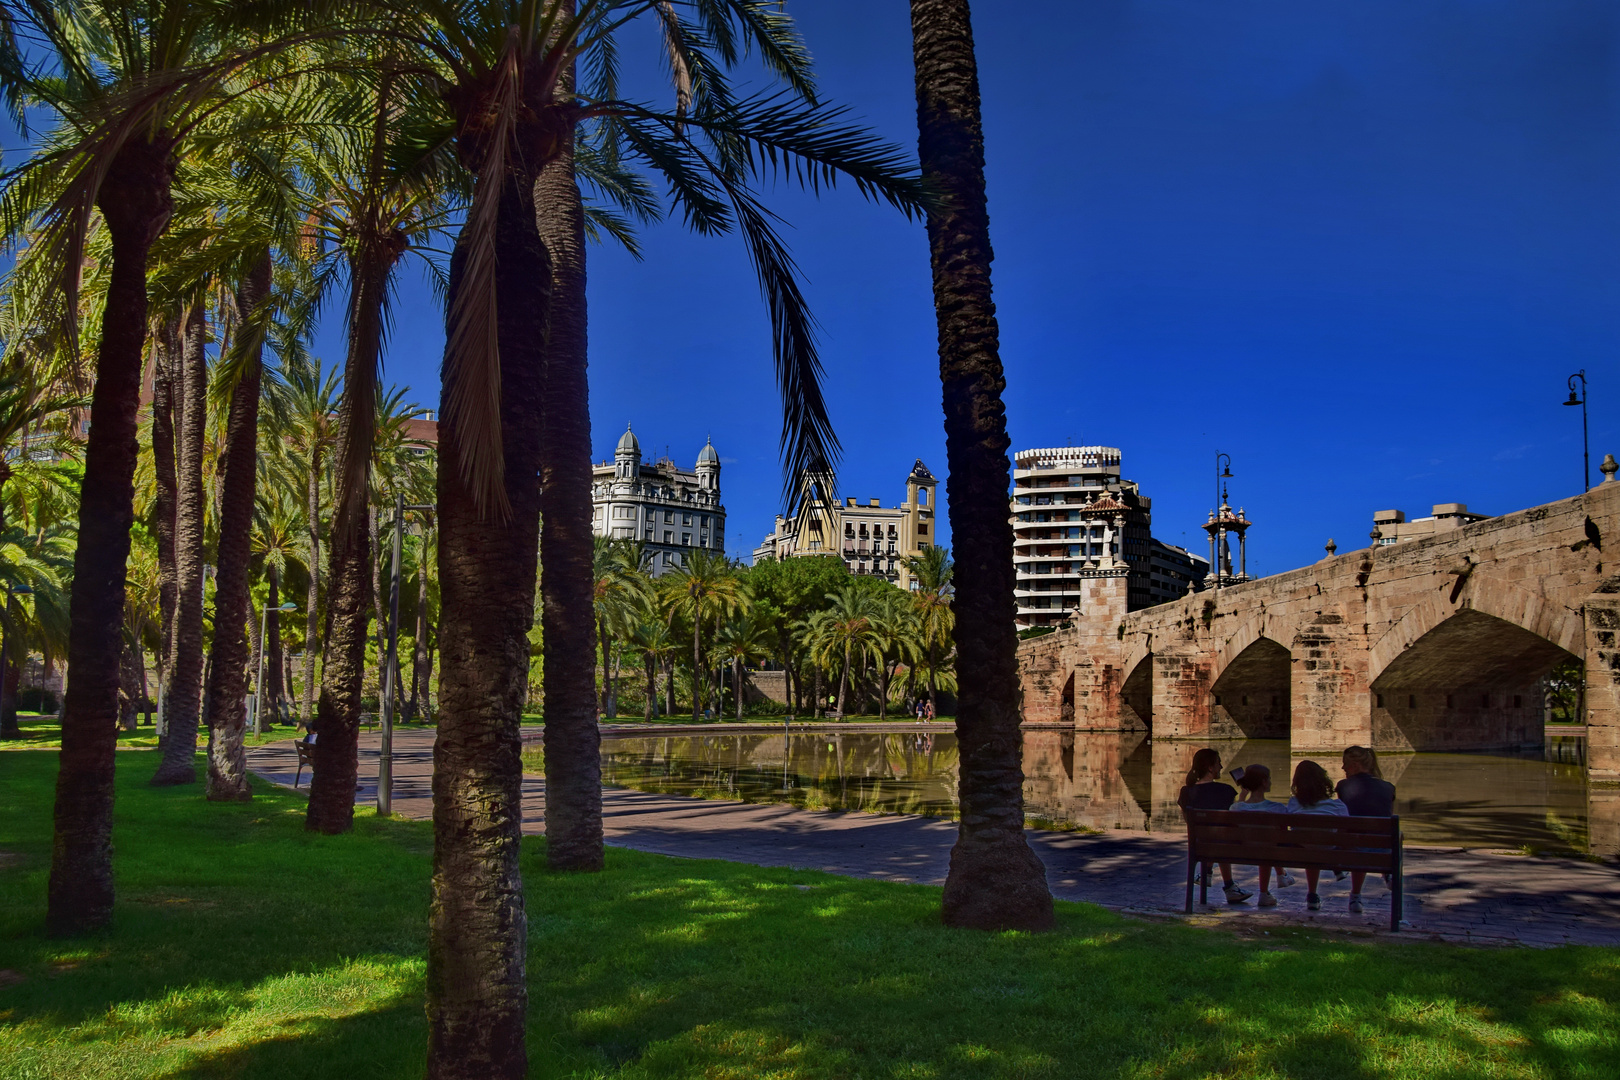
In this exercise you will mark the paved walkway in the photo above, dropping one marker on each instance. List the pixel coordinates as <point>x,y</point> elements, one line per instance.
<point>1451,894</point>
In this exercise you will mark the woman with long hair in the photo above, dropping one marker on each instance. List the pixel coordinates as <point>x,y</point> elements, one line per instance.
<point>1313,794</point>
<point>1205,791</point>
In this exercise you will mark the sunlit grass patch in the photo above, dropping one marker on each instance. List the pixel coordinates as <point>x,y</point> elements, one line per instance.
<point>246,947</point>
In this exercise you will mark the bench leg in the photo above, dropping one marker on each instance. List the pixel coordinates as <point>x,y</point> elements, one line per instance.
<point>1192,871</point>
<point>298,775</point>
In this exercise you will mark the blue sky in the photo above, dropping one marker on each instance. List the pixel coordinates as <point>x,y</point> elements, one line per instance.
<point>1359,247</point>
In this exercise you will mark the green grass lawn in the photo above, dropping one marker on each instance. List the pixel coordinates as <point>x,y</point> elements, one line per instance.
<point>244,947</point>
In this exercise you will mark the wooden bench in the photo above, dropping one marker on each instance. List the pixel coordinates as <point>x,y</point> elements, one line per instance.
<point>1297,841</point>
<point>304,758</point>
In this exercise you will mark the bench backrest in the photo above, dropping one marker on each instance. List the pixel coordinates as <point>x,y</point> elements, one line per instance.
<point>1294,840</point>
<point>303,752</point>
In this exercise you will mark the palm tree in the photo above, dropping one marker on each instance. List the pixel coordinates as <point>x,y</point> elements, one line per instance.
<point>278,543</point>
<point>899,641</point>
<point>374,204</point>
<point>129,81</point>
<point>705,588</point>
<point>845,632</point>
<point>651,636</point>
<point>309,433</point>
<point>931,574</point>
<point>743,640</point>
<point>183,664</point>
<point>995,880</point>
<point>507,67</point>
<point>619,592</point>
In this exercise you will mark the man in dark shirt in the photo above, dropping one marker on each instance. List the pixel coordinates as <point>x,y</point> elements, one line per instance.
<point>1365,794</point>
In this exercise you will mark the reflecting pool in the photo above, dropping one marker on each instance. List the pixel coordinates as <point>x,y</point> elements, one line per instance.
<point>1105,780</point>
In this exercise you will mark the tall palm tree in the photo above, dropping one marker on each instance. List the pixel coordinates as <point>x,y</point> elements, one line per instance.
<point>183,665</point>
<point>995,880</point>
<point>899,641</point>
<point>742,640</point>
<point>309,432</point>
<point>651,636</point>
<point>931,574</point>
<point>619,594</point>
<point>845,632</point>
<point>128,83</point>
<point>507,67</point>
<point>374,204</point>
<point>705,590</point>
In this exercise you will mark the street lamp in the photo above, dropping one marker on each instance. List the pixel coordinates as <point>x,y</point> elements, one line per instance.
<point>385,752</point>
<point>258,682</point>
<point>1580,399</point>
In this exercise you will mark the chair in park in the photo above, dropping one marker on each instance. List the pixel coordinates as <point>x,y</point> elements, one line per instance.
<point>304,758</point>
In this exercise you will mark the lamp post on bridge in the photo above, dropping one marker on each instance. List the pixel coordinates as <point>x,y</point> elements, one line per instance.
<point>1580,399</point>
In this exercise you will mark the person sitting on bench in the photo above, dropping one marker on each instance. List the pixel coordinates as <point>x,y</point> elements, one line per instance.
<point>1366,793</point>
<point>1313,794</point>
<point>1204,791</point>
<point>1254,781</point>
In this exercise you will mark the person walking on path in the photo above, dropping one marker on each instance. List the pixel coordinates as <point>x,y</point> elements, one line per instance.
<point>1205,791</point>
<point>1365,793</point>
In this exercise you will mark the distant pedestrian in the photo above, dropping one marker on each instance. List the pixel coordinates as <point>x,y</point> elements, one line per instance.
<point>928,711</point>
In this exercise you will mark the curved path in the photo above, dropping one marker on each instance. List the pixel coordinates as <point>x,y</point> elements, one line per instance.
<point>1453,894</point>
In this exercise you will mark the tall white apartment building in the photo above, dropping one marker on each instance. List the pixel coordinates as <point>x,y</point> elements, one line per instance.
<point>672,510</point>
<point>1076,520</point>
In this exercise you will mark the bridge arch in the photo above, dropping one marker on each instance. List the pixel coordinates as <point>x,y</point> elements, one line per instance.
<point>1251,694</point>
<point>1468,674</point>
<point>1136,691</point>
<point>1547,619</point>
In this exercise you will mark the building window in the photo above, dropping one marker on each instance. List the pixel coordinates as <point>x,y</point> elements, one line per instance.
<point>669,519</point>
<point>669,560</point>
<point>703,540</point>
<point>649,534</point>
<point>922,529</point>
<point>686,519</point>
<point>703,520</point>
<point>922,496</point>
<point>686,539</point>
<point>669,538</point>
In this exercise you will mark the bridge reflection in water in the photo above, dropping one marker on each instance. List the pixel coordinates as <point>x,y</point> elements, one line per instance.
<point>1108,780</point>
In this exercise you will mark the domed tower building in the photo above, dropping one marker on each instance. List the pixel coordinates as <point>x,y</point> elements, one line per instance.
<point>671,510</point>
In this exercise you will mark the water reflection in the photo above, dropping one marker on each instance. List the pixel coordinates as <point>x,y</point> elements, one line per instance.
<point>1120,781</point>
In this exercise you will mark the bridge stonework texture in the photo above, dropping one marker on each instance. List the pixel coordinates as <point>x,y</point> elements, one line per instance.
<point>1440,643</point>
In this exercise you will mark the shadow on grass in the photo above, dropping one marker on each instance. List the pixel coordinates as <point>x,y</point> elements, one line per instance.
<point>245,948</point>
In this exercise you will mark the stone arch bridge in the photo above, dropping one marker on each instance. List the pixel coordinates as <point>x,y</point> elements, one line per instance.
<point>1440,643</point>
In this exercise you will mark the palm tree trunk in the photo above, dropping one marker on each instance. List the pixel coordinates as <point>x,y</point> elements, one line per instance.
<point>348,552</point>
<point>313,600</point>
<point>995,880</point>
<point>135,203</point>
<point>652,688</point>
<point>166,361</point>
<point>477,989</point>
<point>737,685</point>
<point>697,662</point>
<point>227,712</point>
<point>9,728</point>
<point>182,698</point>
<point>573,740</point>
<point>274,681</point>
<point>374,524</point>
<point>669,686</point>
<point>843,682</point>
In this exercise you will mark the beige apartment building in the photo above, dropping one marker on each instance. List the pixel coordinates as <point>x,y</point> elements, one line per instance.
<point>869,537</point>
<point>1391,526</point>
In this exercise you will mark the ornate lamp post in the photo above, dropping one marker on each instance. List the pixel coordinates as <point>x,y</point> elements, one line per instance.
<point>1580,399</point>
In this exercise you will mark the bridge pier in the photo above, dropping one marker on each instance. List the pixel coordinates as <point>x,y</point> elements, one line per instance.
<point>1332,706</point>
<point>1603,684</point>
